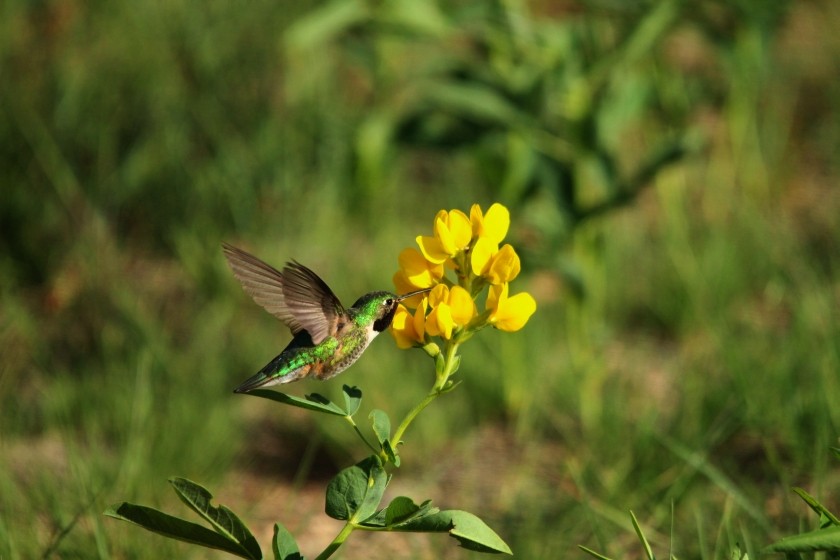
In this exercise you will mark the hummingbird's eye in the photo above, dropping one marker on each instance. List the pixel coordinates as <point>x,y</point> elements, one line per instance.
<point>389,302</point>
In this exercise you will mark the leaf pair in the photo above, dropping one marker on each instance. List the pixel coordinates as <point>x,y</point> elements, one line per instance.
<point>403,515</point>
<point>229,533</point>
<point>316,402</point>
<point>352,401</point>
<point>355,493</point>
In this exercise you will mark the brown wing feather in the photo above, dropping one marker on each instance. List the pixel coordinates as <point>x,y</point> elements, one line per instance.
<point>263,283</point>
<point>312,303</point>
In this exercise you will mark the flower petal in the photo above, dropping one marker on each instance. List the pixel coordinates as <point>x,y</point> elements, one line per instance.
<point>420,320</point>
<point>460,228</point>
<point>438,295</point>
<point>497,293</point>
<point>512,313</point>
<point>442,320</point>
<point>476,220</point>
<point>496,223</point>
<point>432,249</point>
<point>445,237</point>
<point>462,305</point>
<point>403,328</point>
<point>480,255</point>
<point>402,283</point>
<point>504,266</point>
<point>417,269</point>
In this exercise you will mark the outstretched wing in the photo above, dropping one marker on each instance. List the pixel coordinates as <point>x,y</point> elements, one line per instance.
<point>311,301</point>
<point>296,296</point>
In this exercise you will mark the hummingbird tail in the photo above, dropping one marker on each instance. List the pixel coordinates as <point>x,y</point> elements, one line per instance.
<point>273,374</point>
<point>255,382</point>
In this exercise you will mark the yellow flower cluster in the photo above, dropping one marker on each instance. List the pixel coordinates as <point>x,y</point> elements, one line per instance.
<point>468,245</point>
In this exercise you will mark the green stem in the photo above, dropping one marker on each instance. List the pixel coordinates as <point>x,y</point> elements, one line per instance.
<point>433,394</point>
<point>449,361</point>
<point>361,435</point>
<point>437,390</point>
<point>337,541</point>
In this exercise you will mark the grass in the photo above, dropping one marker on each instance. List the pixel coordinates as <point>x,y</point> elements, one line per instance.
<point>692,382</point>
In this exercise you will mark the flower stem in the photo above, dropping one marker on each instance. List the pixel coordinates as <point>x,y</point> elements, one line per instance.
<point>337,541</point>
<point>436,391</point>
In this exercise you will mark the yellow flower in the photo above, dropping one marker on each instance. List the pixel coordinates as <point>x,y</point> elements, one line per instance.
<point>451,308</point>
<point>504,266</point>
<point>417,271</point>
<point>493,226</point>
<point>509,314</point>
<point>481,253</point>
<point>407,329</point>
<point>448,310</point>
<point>453,232</point>
<point>498,266</point>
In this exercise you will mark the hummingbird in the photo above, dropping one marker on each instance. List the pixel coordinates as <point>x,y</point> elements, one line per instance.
<point>327,338</point>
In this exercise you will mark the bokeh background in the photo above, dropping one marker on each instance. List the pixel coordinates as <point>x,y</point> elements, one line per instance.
<point>672,172</point>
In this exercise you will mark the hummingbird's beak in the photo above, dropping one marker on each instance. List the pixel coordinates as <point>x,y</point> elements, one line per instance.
<point>412,294</point>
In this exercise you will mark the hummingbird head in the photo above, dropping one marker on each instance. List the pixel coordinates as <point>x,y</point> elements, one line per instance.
<point>377,308</point>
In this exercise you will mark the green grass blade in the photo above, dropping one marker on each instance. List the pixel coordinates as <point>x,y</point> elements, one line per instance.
<point>825,515</point>
<point>591,552</point>
<point>701,463</point>
<point>642,538</point>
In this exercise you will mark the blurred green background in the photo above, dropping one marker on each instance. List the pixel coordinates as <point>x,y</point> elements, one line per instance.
<point>672,174</point>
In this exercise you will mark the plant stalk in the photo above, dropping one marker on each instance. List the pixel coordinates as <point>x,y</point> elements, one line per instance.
<point>337,541</point>
<point>437,390</point>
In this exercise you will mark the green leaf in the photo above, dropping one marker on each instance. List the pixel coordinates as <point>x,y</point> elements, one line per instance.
<point>382,429</point>
<point>327,23</point>
<point>355,493</point>
<point>400,509</point>
<point>315,402</point>
<point>737,555</point>
<point>352,399</point>
<point>836,451</point>
<point>283,545</point>
<point>223,520</point>
<point>381,425</point>
<point>176,528</point>
<point>820,540</point>
<point>392,454</point>
<point>399,512</point>
<point>469,530</point>
<point>450,386</point>
<point>440,364</point>
<point>473,100</point>
<point>456,364</point>
<point>826,517</point>
<point>415,17</point>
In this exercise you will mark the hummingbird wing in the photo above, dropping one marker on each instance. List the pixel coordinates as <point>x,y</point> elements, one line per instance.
<point>263,283</point>
<point>311,302</point>
<point>296,296</point>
